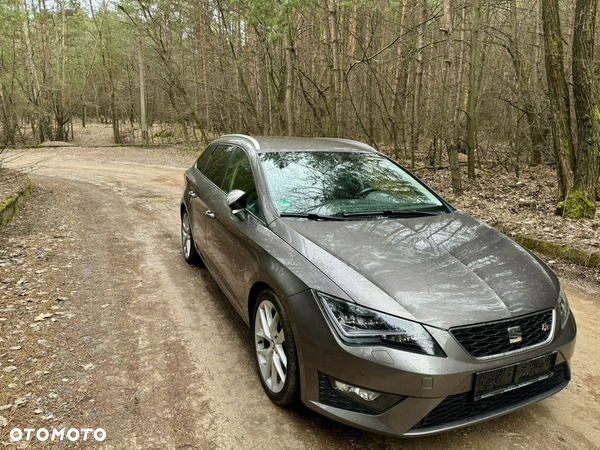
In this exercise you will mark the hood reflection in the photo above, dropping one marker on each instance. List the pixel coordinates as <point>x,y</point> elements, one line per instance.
<point>445,271</point>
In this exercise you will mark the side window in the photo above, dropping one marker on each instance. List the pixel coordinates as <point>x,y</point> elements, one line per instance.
<point>216,165</point>
<point>204,157</point>
<point>239,176</point>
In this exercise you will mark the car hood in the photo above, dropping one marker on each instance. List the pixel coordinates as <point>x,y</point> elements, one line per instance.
<point>443,271</point>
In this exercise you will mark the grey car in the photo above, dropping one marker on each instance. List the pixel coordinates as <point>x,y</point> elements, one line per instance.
<point>370,298</point>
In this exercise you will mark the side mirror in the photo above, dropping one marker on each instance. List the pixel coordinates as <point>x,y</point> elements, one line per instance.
<point>236,200</point>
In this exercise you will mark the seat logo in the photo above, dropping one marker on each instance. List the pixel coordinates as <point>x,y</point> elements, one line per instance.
<point>545,327</point>
<point>514,335</point>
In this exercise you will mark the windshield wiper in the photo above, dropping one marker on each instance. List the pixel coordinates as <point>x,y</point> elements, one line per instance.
<point>311,216</point>
<point>392,213</point>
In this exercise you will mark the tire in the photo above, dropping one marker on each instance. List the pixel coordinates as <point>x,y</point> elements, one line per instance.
<point>284,359</point>
<point>190,254</point>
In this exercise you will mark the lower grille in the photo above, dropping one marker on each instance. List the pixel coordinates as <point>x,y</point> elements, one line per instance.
<point>329,396</point>
<point>462,406</point>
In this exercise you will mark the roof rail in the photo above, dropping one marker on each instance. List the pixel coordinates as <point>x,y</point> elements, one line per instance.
<point>358,144</point>
<point>243,136</point>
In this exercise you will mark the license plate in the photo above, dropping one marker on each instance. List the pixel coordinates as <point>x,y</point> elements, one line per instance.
<point>497,381</point>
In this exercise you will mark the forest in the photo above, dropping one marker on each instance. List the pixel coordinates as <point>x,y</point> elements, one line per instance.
<point>442,84</point>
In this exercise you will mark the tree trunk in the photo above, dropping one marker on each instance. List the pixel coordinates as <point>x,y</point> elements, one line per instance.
<point>353,29</point>
<point>522,90</point>
<point>473,94</point>
<point>581,198</point>
<point>7,123</point>
<point>449,124</point>
<point>560,112</point>
<point>399,90</point>
<point>415,138</point>
<point>289,83</point>
<point>459,101</point>
<point>32,79</point>
<point>62,122</point>
<point>337,76</point>
<point>113,116</point>
<point>143,123</point>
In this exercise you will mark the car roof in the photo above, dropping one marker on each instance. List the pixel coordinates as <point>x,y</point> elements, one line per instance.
<point>269,144</point>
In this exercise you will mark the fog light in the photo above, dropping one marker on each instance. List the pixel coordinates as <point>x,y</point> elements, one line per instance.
<point>378,401</point>
<point>344,388</point>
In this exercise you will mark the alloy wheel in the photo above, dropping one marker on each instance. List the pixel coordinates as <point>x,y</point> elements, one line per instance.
<point>186,236</point>
<point>270,346</point>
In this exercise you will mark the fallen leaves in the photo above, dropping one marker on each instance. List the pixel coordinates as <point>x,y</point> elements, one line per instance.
<point>525,206</point>
<point>43,316</point>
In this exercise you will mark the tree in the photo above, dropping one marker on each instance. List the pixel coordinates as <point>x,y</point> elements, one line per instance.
<point>142,69</point>
<point>560,109</point>
<point>580,202</point>
<point>523,91</point>
<point>32,83</point>
<point>473,89</point>
<point>399,86</point>
<point>103,24</point>
<point>409,76</point>
<point>336,122</point>
<point>450,121</point>
<point>289,83</point>
<point>417,106</point>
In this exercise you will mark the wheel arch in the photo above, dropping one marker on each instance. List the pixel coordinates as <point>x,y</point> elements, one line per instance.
<point>255,290</point>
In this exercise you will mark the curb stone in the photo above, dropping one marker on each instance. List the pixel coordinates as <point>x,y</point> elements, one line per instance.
<point>580,257</point>
<point>10,206</point>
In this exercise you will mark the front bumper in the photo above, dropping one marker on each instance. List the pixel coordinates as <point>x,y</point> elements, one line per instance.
<point>437,391</point>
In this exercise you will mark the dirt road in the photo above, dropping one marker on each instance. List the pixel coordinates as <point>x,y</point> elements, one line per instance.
<point>147,347</point>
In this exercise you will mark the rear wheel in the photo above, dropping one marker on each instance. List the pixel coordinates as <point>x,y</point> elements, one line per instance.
<point>187,241</point>
<point>275,350</point>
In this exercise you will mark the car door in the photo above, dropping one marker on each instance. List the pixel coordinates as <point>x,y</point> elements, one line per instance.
<point>209,174</point>
<point>226,234</point>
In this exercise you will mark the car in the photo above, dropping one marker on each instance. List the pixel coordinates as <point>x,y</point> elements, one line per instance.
<point>370,298</point>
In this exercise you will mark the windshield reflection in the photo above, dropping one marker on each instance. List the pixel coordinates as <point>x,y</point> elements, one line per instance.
<point>338,183</point>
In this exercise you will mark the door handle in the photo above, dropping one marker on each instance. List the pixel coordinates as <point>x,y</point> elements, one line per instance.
<point>210,214</point>
<point>192,194</point>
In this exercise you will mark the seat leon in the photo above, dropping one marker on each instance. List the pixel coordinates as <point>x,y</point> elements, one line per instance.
<point>370,298</point>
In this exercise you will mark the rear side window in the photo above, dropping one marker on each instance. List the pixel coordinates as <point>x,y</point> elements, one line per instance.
<point>204,157</point>
<point>240,176</point>
<point>215,168</point>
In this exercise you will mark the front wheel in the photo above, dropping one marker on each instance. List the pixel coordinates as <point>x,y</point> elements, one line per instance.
<point>187,241</point>
<point>275,350</point>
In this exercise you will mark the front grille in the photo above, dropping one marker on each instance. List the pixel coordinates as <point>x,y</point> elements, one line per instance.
<point>462,406</point>
<point>329,396</point>
<point>489,339</point>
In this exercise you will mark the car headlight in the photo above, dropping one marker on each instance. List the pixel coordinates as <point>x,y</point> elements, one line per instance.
<point>358,325</point>
<point>563,308</point>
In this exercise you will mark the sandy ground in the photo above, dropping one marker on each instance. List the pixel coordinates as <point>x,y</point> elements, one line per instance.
<point>107,326</point>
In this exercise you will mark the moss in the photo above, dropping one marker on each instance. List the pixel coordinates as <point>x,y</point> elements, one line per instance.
<point>597,112</point>
<point>557,250</point>
<point>164,134</point>
<point>577,206</point>
<point>11,205</point>
<point>7,202</point>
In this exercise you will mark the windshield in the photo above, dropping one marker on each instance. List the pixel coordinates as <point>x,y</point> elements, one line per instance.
<point>339,183</point>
